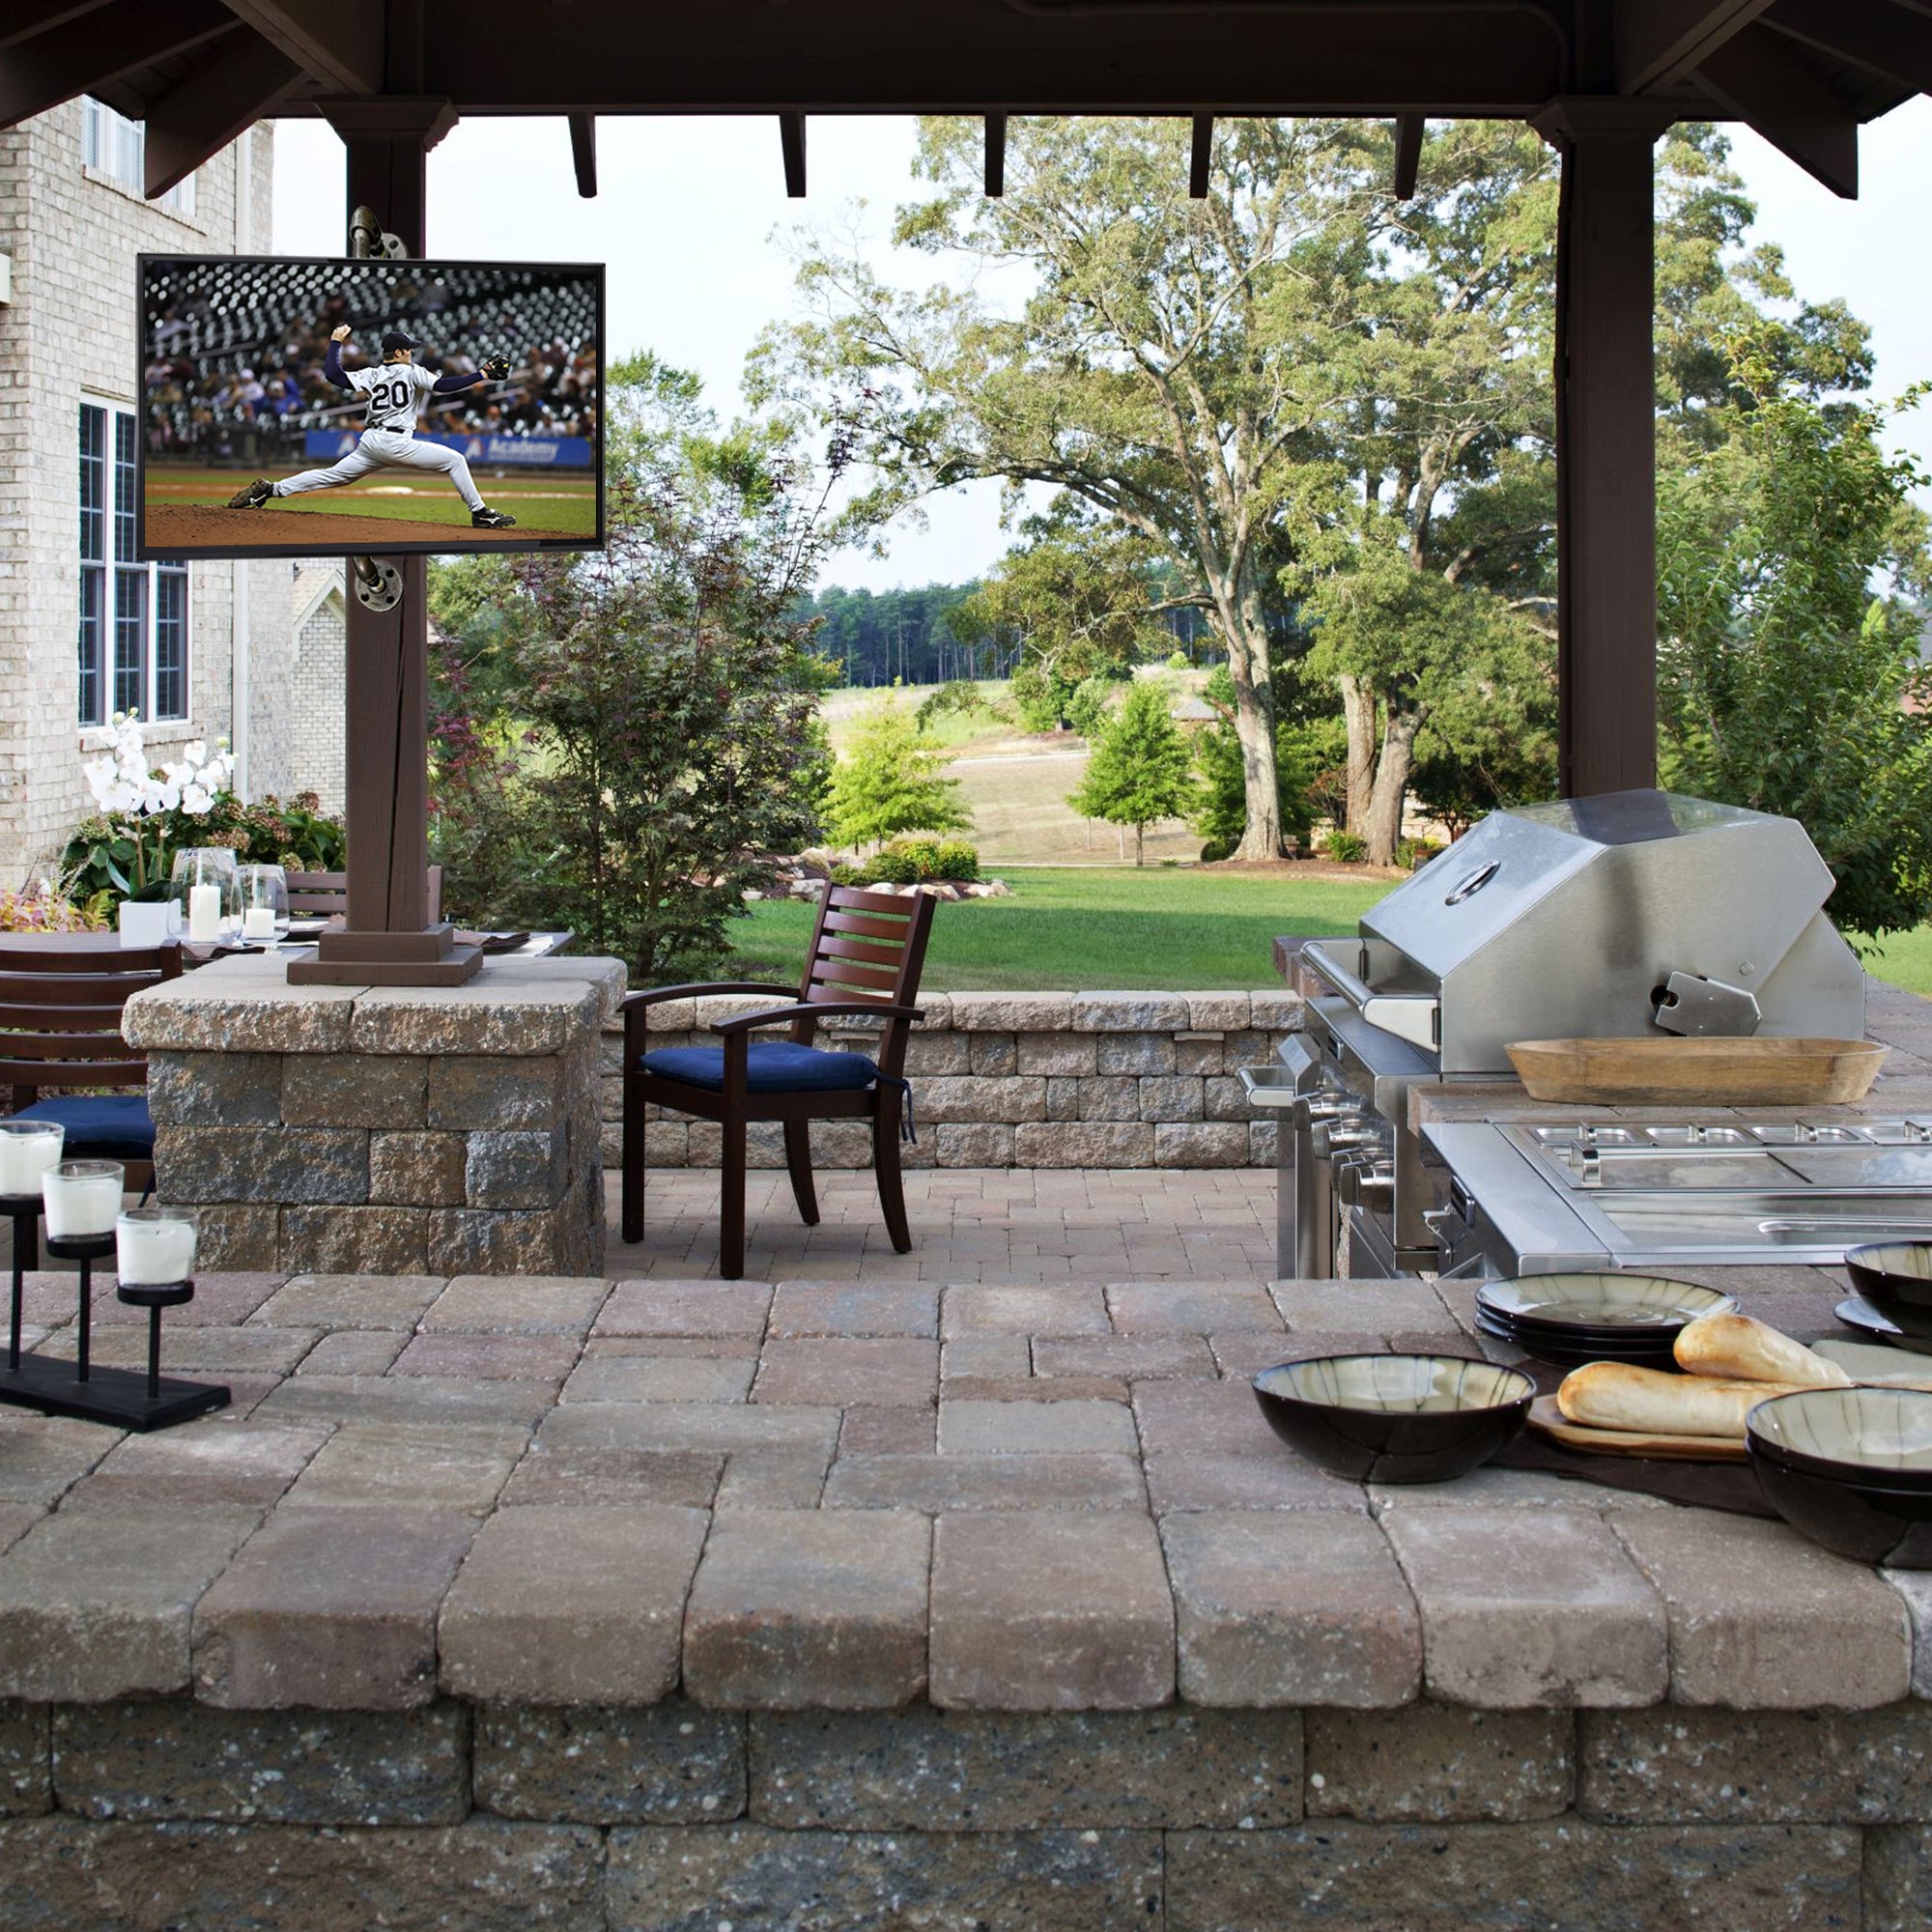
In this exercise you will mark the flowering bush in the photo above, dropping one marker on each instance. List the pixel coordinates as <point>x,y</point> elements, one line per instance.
<point>144,813</point>
<point>43,908</point>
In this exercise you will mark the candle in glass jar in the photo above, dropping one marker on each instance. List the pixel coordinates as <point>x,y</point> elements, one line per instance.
<point>204,912</point>
<point>258,923</point>
<point>27,1149</point>
<point>82,1197</point>
<point>154,1248</point>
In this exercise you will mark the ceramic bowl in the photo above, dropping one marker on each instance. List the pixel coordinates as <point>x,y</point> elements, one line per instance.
<point>1880,1436</point>
<point>1395,1418</point>
<point>1868,1522</point>
<point>1897,1278</point>
<point>1603,1307</point>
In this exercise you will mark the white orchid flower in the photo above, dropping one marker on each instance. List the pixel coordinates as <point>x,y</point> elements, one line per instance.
<point>196,751</point>
<point>196,801</point>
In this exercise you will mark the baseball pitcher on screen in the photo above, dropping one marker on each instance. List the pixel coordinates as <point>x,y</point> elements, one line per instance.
<point>394,393</point>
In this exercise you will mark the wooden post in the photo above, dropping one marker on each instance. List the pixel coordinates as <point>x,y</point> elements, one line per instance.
<point>1606,444</point>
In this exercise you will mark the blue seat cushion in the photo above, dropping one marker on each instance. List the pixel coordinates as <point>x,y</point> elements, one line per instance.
<point>100,1126</point>
<point>771,1067</point>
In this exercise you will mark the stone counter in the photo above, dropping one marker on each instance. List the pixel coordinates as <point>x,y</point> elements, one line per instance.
<point>657,1604</point>
<point>387,1129</point>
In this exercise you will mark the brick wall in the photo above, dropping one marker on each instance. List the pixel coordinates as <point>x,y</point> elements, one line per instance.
<point>314,707</point>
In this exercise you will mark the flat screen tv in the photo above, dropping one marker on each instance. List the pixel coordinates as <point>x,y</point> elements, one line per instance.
<point>297,407</point>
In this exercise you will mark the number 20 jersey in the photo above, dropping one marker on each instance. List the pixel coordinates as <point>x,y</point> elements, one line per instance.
<point>394,392</point>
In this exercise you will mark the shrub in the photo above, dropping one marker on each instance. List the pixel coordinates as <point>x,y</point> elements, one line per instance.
<point>1215,850</point>
<point>1414,852</point>
<point>889,783</point>
<point>912,862</point>
<point>1087,708</point>
<point>843,874</point>
<point>45,909</point>
<point>958,859</point>
<point>1347,848</point>
<point>957,694</point>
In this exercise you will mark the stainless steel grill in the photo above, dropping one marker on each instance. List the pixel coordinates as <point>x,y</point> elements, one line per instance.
<point>1637,912</point>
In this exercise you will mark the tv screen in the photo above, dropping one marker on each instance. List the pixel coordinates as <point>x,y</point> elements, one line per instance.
<point>322,408</point>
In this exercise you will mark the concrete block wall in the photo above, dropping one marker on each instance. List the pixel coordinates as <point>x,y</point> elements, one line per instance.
<point>1098,1079</point>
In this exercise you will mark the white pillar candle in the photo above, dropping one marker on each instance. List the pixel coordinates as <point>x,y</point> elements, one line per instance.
<point>258,923</point>
<point>25,1155</point>
<point>204,912</point>
<point>153,1250</point>
<point>82,1203</point>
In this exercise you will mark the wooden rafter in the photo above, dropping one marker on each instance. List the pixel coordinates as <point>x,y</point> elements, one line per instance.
<point>791,144</point>
<point>100,47</point>
<point>1408,129</point>
<point>1760,78</point>
<point>996,156</point>
<point>583,154</point>
<point>22,19</point>
<point>1200,159</point>
<point>1659,42</point>
<point>1896,42</point>
<point>339,42</point>
<point>228,92</point>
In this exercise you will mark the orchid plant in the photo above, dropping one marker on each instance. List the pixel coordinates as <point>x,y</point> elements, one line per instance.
<point>145,808</point>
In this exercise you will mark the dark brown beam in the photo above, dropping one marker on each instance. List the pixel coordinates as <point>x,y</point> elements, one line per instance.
<point>1200,158</point>
<point>22,19</point>
<point>1760,78</point>
<point>1659,42</point>
<point>583,154</point>
<point>101,46</point>
<point>339,42</point>
<point>227,94</point>
<point>996,156</point>
<point>1895,41</point>
<point>1407,155</point>
<point>792,143</point>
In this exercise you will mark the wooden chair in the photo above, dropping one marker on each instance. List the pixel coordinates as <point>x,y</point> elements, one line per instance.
<point>864,959</point>
<point>60,1026</point>
<point>327,893</point>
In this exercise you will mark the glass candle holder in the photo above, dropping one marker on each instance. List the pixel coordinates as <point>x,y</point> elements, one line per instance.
<point>265,902</point>
<point>154,1248</point>
<point>205,880</point>
<point>82,1197</point>
<point>27,1149</point>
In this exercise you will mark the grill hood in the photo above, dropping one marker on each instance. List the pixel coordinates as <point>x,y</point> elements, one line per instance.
<point>1578,916</point>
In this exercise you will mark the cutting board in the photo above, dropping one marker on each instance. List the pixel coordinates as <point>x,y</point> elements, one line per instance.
<point>1548,1421</point>
<point>1698,1073</point>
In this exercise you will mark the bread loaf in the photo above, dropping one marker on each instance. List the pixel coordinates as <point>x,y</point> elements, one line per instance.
<point>1735,1347</point>
<point>1614,1395</point>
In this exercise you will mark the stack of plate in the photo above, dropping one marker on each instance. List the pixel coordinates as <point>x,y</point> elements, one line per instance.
<point>1572,1318</point>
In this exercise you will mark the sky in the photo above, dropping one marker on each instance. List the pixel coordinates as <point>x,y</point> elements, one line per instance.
<point>692,218</point>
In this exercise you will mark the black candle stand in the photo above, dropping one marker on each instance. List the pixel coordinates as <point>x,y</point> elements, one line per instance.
<point>124,1398</point>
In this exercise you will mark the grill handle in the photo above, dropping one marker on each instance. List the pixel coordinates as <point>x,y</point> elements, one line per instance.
<point>1415,1018</point>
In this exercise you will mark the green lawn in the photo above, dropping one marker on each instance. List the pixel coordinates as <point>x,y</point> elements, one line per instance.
<point>1093,929</point>
<point>1904,958</point>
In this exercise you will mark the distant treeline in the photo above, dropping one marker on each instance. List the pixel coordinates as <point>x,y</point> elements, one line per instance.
<point>881,635</point>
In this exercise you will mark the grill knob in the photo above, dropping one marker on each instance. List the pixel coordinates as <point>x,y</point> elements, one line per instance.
<point>1328,1138</point>
<point>1375,1188</point>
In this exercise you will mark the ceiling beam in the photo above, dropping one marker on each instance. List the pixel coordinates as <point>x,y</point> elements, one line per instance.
<point>1659,42</point>
<point>1759,78</point>
<point>1895,41</point>
<point>339,42</point>
<point>996,156</point>
<point>791,144</point>
<point>22,19</point>
<point>1200,158</point>
<point>224,97</point>
<point>101,46</point>
<point>583,154</point>
<point>1407,155</point>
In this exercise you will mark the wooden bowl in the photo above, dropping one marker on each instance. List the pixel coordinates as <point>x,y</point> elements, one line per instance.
<point>1698,1073</point>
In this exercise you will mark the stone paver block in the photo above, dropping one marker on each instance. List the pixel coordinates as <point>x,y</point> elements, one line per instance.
<point>517,1167</point>
<point>1914,1589</point>
<point>923,1770</point>
<point>1436,1763</point>
<point>1084,1143</point>
<point>1127,1357</point>
<point>1176,1097</point>
<point>968,1145</point>
<point>356,1240</point>
<point>42,1457</point>
<point>772,1479</point>
<point>956,1482</point>
<point>518,1305</point>
<point>173,1758</point>
<point>1012,1013</point>
<point>1196,1417</point>
<point>727,1308</point>
<point>662,1378</point>
<point>1035,1612</point>
<point>938,1053</point>
<point>1580,1878</point>
<point>490,1357</point>
<point>1530,1607</point>
<point>512,1241</point>
<point>586,1475</point>
<point>95,1603</point>
<point>417,1170</point>
<point>333,1609</point>
<point>809,1611</point>
<point>1140,1056</point>
<point>1112,1097</point>
<point>353,1352</point>
<point>1129,1012</point>
<point>805,1309</point>
<point>332,1301</point>
<point>834,1371</point>
<point>368,1465</point>
<point>250,1463</point>
<point>670,1763</point>
<point>571,1605</point>
<point>1226,1012</point>
<point>352,1090</point>
<point>216,1090</point>
<point>471,1093</point>
<point>1190,1308</point>
<point>758,1880</point>
<point>994,1053</point>
<point>214,1011</point>
<point>1761,1619</point>
<point>982,1098</point>
<point>1351,1307</point>
<point>134,1878</point>
<point>26,1782</point>
<point>1035,1428</point>
<point>1072,1308</point>
<point>1898,1879</point>
<point>264,1165</point>
<point>462,1407</point>
<point>1183,1144</point>
<point>486,1018</point>
<point>703,1428</point>
<point>981,1356</point>
<point>888,1432</point>
<point>1054,1053</point>
<point>1289,1607</point>
<point>1178,1479</point>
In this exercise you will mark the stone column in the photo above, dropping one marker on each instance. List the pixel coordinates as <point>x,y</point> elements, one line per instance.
<point>382,1130</point>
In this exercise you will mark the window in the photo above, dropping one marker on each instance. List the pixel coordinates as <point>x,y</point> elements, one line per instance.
<point>116,147</point>
<point>133,616</point>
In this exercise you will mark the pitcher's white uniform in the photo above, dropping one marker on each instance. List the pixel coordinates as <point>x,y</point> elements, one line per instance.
<point>394,393</point>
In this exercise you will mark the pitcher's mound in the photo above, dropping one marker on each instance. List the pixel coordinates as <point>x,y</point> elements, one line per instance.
<point>197,526</point>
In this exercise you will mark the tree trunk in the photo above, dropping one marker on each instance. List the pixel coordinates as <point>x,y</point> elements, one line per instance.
<point>1254,726</point>
<point>1140,843</point>
<point>1391,787</point>
<point>1358,711</point>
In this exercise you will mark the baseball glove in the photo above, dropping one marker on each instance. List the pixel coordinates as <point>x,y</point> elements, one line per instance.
<point>495,367</point>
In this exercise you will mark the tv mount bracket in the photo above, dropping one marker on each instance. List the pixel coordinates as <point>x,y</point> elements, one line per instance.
<point>378,583</point>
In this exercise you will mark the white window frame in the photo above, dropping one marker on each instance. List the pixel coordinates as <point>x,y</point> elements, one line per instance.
<point>115,147</point>
<point>111,582</point>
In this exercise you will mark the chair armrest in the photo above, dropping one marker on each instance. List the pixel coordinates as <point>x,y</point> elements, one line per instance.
<point>656,995</point>
<point>817,1010</point>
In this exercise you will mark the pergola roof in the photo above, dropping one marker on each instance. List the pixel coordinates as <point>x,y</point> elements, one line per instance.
<point>1806,73</point>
